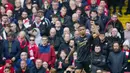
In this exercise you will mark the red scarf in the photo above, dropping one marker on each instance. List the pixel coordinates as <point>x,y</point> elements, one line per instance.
<point>23,43</point>
<point>126,51</point>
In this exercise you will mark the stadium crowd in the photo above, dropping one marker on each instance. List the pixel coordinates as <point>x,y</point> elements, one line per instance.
<point>63,36</point>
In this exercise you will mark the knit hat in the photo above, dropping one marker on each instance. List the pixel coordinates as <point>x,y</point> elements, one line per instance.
<point>127,43</point>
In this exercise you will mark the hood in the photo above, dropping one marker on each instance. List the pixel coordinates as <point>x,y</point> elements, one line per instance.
<point>38,32</point>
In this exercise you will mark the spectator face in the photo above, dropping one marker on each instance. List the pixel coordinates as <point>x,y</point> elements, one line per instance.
<point>82,30</point>
<point>71,44</point>
<point>23,56</point>
<point>97,49</point>
<point>6,70</point>
<point>125,47</point>
<point>114,32</point>
<point>17,4</point>
<point>34,10</point>
<point>54,19</point>
<point>24,15</point>
<point>23,65</point>
<point>45,41</point>
<point>72,4</point>
<point>76,26</point>
<point>4,19</point>
<point>40,14</point>
<point>116,47</point>
<point>9,13</point>
<point>38,63</point>
<point>7,29</point>
<point>46,3</point>
<point>75,17</point>
<point>76,34</point>
<point>35,33</point>
<point>22,35</point>
<point>13,27</point>
<point>102,3</point>
<point>101,37</point>
<point>128,26</point>
<point>75,55</point>
<point>2,9</point>
<point>100,10</point>
<point>93,2</point>
<point>10,38</point>
<point>63,55</point>
<point>114,18</point>
<point>32,40</point>
<point>55,5</point>
<point>52,32</point>
<point>93,15</point>
<point>20,22</point>
<point>78,12</point>
<point>67,37</point>
<point>45,65</point>
<point>66,30</point>
<point>38,19</point>
<point>58,25</point>
<point>63,11</point>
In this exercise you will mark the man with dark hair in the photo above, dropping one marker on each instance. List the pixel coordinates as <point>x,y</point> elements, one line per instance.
<point>116,59</point>
<point>83,50</point>
<point>23,68</point>
<point>11,48</point>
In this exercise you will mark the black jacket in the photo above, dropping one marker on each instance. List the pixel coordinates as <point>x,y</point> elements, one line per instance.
<point>116,61</point>
<point>98,61</point>
<point>35,70</point>
<point>55,41</point>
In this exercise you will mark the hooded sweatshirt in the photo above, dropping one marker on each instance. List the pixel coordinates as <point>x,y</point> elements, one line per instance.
<point>37,37</point>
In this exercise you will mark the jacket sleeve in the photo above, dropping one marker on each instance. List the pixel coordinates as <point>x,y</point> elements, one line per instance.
<point>53,57</point>
<point>124,62</point>
<point>108,61</point>
<point>18,50</point>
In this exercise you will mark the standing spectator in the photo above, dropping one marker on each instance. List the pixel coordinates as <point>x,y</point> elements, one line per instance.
<point>38,68</point>
<point>23,68</point>
<point>46,52</point>
<point>42,26</point>
<point>60,65</point>
<point>18,9</point>
<point>36,33</point>
<point>23,41</point>
<point>6,70</point>
<point>45,65</point>
<point>116,59</point>
<point>11,48</point>
<point>34,13</point>
<point>64,18</point>
<point>53,39</point>
<point>32,48</point>
<point>115,23</point>
<point>20,26</point>
<point>4,21</point>
<point>8,64</point>
<point>72,7</point>
<point>7,5</point>
<point>28,6</point>
<point>26,20</point>
<point>24,57</point>
<point>53,10</point>
<point>59,29</point>
<point>93,5</point>
<point>4,32</point>
<point>127,31</point>
<point>115,37</point>
<point>98,61</point>
<point>53,20</point>
<point>13,28</point>
<point>126,50</point>
<point>65,44</point>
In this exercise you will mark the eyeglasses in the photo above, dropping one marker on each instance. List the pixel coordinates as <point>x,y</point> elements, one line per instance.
<point>32,40</point>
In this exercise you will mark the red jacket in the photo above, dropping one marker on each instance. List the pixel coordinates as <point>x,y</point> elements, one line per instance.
<point>32,51</point>
<point>89,2</point>
<point>3,67</point>
<point>49,57</point>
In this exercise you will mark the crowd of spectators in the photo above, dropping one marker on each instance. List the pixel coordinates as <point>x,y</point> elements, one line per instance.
<point>63,36</point>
